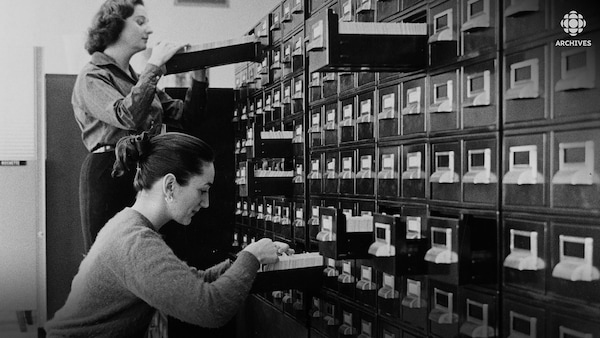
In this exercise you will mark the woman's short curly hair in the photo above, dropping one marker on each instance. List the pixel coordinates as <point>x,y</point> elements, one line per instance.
<point>108,23</point>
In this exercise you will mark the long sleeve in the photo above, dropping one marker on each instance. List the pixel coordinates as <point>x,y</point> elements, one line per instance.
<point>106,102</point>
<point>212,273</point>
<point>154,274</point>
<point>109,103</point>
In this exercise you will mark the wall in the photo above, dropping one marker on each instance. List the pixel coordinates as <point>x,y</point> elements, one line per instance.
<point>57,26</point>
<point>61,24</point>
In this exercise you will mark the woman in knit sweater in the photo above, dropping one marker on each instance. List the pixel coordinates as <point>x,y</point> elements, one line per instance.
<point>130,271</point>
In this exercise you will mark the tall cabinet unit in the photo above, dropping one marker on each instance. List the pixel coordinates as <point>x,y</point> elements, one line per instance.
<point>441,155</point>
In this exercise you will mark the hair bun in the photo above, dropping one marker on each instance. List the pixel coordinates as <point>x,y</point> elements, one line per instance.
<point>141,144</point>
<point>130,150</point>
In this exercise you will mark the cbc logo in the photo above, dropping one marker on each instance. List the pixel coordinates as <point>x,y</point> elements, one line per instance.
<point>573,23</point>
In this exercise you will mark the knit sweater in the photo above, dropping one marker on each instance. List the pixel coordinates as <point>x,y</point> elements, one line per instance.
<point>130,271</point>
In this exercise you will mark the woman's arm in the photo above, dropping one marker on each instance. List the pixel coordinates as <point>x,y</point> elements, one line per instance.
<point>103,99</point>
<point>212,273</point>
<point>153,273</point>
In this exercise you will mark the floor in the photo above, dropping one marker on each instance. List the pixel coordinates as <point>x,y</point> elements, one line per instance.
<point>9,326</point>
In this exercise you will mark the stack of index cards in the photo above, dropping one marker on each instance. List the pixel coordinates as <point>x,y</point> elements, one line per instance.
<point>296,261</point>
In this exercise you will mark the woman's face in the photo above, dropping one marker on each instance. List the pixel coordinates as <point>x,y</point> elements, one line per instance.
<point>189,199</point>
<point>136,31</point>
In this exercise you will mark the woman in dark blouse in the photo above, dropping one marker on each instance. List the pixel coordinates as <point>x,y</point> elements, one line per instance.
<point>110,100</point>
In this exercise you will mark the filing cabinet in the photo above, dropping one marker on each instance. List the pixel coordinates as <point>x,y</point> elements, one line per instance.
<point>480,171</point>
<point>446,167</point>
<point>343,236</point>
<point>442,105</point>
<point>443,28</point>
<point>315,87</point>
<point>413,107</point>
<point>525,259</point>
<point>276,113</point>
<point>367,284</point>
<point>315,176</point>
<point>444,310</point>
<point>574,259</point>
<point>276,26</point>
<point>388,117</point>
<point>479,101</point>
<point>409,4</point>
<point>525,95</point>
<point>415,303</point>
<point>286,97</point>
<point>462,250</point>
<point>565,324</point>
<point>365,79</point>
<point>298,53</point>
<point>346,280</point>
<point>298,139</point>
<point>365,121</point>
<point>399,246</point>
<point>299,224</point>
<point>524,180</point>
<point>576,72</point>
<point>523,318</point>
<point>287,48</point>
<point>350,321</point>
<point>524,16</point>
<point>479,28</point>
<point>331,317</point>
<point>367,324</point>
<point>366,207</point>
<point>387,330</point>
<point>388,295</point>
<point>315,131</point>
<point>575,183</point>
<point>315,314</point>
<point>298,95</point>
<point>415,176</point>
<point>385,9</point>
<point>314,219</point>
<point>292,16</point>
<point>366,171</point>
<point>476,160</point>
<point>298,180</point>
<point>347,81</point>
<point>331,272</point>
<point>347,172</point>
<point>329,81</point>
<point>478,314</point>
<point>331,124</point>
<point>388,177</point>
<point>347,121</point>
<point>365,10</point>
<point>332,169</point>
<point>335,45</point>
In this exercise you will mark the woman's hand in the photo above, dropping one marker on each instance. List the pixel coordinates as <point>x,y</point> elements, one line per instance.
<point>264,250</point>
<point>163,51</point>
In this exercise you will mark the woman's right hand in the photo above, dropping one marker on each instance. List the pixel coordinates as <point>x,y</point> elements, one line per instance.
<point>163,51</point>
<point>264,250</point>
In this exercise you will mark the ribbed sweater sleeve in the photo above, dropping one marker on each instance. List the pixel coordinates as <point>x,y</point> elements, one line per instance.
<point>151,271</point>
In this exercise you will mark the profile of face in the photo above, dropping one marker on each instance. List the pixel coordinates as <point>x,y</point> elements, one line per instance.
<point>190,198</point>
<point>136,30</point>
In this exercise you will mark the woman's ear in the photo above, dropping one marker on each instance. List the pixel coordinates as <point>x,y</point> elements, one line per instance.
<point>168,186</point>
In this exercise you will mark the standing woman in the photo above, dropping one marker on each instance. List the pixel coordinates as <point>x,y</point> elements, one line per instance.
<point>111,101</point>
<point>130,271</point>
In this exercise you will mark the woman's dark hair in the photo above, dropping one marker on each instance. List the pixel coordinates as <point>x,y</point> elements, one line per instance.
<point>108,23</point>
<point>153,157</point>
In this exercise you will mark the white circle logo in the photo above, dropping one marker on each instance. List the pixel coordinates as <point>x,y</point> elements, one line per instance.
<point>573,23</point>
